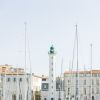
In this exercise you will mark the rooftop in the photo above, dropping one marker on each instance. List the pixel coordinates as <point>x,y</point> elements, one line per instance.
<point>83,72</point>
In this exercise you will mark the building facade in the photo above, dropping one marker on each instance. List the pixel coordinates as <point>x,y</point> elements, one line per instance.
<point>36,87</point>
<point>88,85</point>
<point>15,84</point>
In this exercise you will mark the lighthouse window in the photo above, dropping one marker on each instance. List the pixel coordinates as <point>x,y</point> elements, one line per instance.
<point>51,57</point>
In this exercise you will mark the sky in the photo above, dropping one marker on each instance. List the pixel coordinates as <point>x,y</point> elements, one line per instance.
<point>49,22</point>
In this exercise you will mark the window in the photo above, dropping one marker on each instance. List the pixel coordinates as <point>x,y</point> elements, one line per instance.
<point>99,75</point>
<point>52,63</point>
<point>92,90</point>
<point>81,75</point>
<point>87,75</point>
<point>85,98</point>
<point>20,79</point>
<point>8,79</point>
<point>84,82</point>
<point>20,97</point>
<point>14,79</point>
<point>94,75</point>
<point>69,81</point>
<point>92,82</point>
<point>45,99</point>
<point>97,82</point>
<point>97,90</point>
<point>52,99</point>
<point>13,97</point>
<point>92,97</point>
<point>45,86</point>
<point>52,57</point>
<point>68,91</point>
<point>52,75</point>
<point>52,81</point>
<point>43,79</point>
<point>0,92</point>
<point>27,80</point>
<point>85,91</point>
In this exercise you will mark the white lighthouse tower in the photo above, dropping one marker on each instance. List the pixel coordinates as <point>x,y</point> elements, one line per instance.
<point>52,79</point>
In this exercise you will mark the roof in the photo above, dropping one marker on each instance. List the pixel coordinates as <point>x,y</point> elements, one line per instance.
<point>9,69</point>
<point>83,72</point>
<point>39,76</point>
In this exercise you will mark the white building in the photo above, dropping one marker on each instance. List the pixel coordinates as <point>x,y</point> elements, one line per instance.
<point>88,85</point>
<point>14,84</point>
<point>52,87</point>
<point>16,87</point>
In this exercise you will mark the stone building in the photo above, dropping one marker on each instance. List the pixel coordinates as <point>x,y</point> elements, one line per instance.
<point>14,83</point>
<point>88,85</point>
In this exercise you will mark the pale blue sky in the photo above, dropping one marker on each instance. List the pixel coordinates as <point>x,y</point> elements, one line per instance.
<point>49,22</point>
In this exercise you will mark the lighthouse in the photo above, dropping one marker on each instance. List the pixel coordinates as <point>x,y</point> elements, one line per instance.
<point>52,79</point>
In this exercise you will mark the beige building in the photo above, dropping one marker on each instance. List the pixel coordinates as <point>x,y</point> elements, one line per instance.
<point>15,84</point>
<point>88,85</point>
<point>36,87</point>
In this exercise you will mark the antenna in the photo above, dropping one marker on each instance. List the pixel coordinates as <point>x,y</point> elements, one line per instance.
<point>91,67</point>
<point>77,46</point>
<point>62,67</point>
<point>25,61</point>
<point>77,69</point>
<point>28,90</point>
<point>77,72</point>
<point>29,85</point>
<point>25,44</point>
<point>91,54</point>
